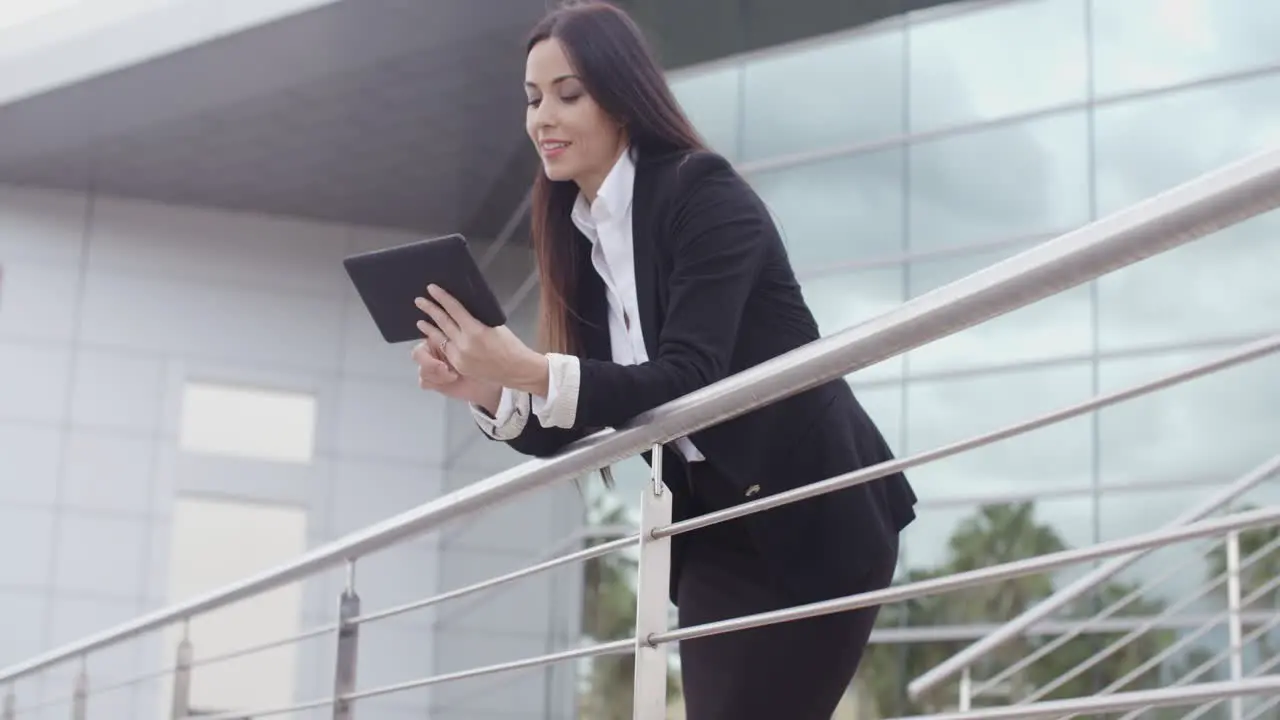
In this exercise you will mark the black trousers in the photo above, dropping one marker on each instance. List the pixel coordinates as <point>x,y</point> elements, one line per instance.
<point>796,670</point>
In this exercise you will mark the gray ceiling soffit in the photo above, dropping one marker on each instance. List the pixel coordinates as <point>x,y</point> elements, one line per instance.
<point>395,113</point>
<point>383,112</point>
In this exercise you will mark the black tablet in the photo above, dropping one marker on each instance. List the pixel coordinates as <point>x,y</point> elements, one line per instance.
<point>388,280</point>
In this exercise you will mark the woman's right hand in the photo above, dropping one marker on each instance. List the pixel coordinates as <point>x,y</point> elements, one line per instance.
<point>435,373</point>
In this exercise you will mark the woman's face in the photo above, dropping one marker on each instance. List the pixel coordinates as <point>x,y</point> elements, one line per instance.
<point>574,137</point>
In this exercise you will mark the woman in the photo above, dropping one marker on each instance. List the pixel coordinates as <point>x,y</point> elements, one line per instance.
<point>662,272</point>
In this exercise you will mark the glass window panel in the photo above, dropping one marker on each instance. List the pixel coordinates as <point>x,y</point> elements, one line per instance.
<point>842,91</point>
<point>255,423</point>
<point>1005,182</point>
<point>1058,326</point>
<point>1052,525</point>
<point>946,410</point>
<point>1150,145</point>
<point>1133,514</point>
<point>711,97</point>
<point>1220,425</point>
<point>1010,59</point>
<point>841,301</point>
<point>1221,287</point>
<point>884,404</point>
<point>1224,284</point>
<point>839,210</point>
<point>1141,44</point>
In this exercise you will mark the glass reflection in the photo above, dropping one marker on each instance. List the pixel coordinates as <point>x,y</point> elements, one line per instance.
<point>839,210</point>
<point>884,404</point>
<point>1150,145</point>
<point>711,97</point>
<point>1141,44</point>
<point>998,62</point>
<point>1002,531</point>
<point>845,91</point>
<point>841,301</point>
<point>1060,326</point>
<point>1219,286</point>
<point>1000,183</point>
<point>947,410</point>
<point>1220,425</point>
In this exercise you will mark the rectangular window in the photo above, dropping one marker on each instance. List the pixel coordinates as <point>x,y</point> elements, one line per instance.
<point>215,543</point>
<point>248,422</point>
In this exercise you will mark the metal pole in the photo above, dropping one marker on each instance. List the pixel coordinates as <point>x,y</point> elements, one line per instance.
<point>966,690</point>
<point>653,587</point>
<point>1233,623</point>
<point>10,705</point>
<point>344,674</point>
<point>80,696</point>
<point>181,705</point>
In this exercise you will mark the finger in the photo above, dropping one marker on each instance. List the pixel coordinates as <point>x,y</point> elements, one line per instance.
<point>459,314</point>
<point>436,374</point>
<point>440,346</point>
<point>435,338</point>
<point>438,314</point>
<point>435,379</point>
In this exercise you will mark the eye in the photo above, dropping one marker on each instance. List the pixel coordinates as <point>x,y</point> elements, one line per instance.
<point>534,102</point>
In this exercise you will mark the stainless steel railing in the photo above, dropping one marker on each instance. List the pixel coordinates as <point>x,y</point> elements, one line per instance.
<point>962,661</point>
<point>1178,216</point>
<point>1232,617</point>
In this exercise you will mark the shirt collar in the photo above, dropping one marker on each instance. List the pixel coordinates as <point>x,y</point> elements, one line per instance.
<point>613,199</point>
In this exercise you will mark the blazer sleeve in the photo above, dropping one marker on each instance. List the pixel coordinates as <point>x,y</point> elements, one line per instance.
<point>719,232</point>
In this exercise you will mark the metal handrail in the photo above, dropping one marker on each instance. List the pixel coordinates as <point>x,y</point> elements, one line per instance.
<point>1079,627</point>
<point>1132,635</point>
<point>970,654</point>
<point>1263,517</point>
<point>1187,212</point>
<point>1121,701</point>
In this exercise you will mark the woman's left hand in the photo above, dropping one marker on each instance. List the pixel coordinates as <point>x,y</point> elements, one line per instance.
<point>475,350</point>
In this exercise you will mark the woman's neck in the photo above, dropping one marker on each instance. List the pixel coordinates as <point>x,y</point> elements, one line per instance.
<point>590,185</point>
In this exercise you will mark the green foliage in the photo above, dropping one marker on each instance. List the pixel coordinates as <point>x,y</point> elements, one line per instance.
<point>1263,567</point>
<point>998,534</point>
<point>609,613</point>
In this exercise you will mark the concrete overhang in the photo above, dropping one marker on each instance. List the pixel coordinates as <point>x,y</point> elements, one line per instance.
<point>396,113</point>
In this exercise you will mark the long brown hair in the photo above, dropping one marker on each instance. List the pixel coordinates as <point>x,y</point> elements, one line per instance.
<point>618,69</point>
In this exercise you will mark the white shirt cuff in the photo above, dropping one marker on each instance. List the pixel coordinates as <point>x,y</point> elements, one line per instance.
<point>510,419</point>
<point>560,407</point>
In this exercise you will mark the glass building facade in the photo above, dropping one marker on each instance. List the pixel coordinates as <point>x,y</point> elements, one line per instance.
<point>902,156</point>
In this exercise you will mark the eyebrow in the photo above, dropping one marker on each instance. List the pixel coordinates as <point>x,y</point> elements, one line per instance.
<point>557,81</point>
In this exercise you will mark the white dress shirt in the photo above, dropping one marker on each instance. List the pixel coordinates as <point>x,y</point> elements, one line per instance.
<point>607,224</point>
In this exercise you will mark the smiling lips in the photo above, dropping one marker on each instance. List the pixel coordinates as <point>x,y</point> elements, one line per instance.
<point>552,148</point>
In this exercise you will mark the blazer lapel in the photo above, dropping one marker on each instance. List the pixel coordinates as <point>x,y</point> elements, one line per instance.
<point>643,236</point>
<point>591,306</point>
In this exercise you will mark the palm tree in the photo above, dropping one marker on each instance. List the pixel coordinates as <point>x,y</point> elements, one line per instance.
<point>609,613</point>
<point>995,534</point>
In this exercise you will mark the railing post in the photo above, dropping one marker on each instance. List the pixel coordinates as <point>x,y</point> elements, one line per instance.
<point>1233,622</point>
<point>966,690</point>
<point>80,696</point>
<point>652,591</point>
<point>181,705</point>
<point>344,675</point>
<point>10,705</point>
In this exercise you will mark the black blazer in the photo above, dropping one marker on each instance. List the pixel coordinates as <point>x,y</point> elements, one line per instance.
<point>717,295</point>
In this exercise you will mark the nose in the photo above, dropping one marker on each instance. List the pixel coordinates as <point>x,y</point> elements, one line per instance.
<point>544,115</point>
